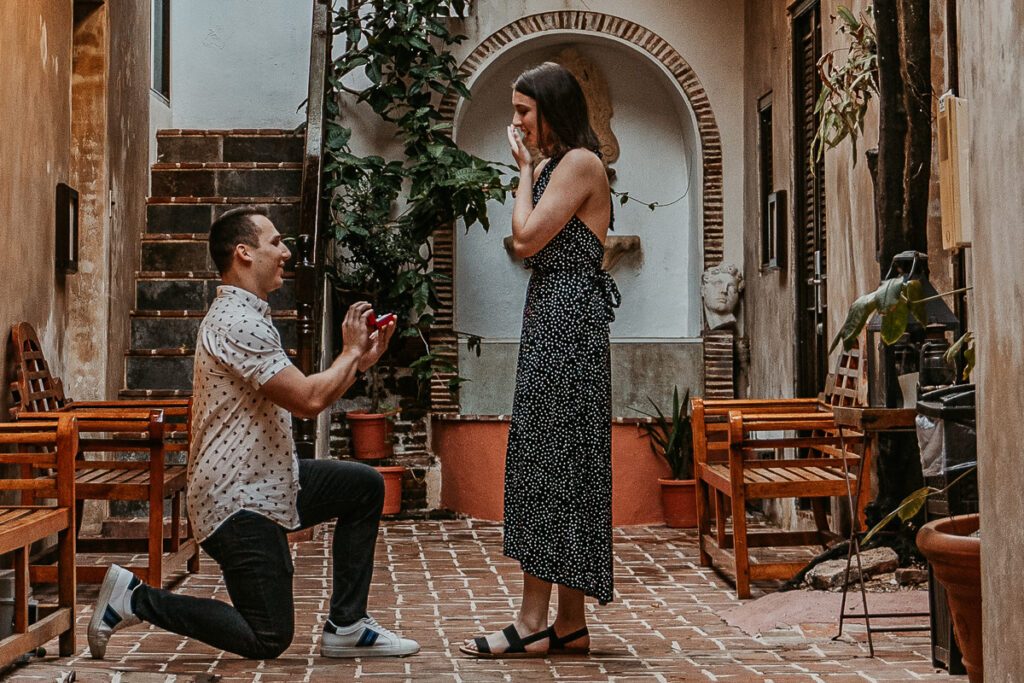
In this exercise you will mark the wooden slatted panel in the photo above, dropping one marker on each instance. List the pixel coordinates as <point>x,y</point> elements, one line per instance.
<point>809,225</point>
<point>718,364</point>
<point>34,388</point>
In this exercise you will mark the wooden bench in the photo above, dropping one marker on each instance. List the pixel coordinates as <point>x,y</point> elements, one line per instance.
<point>49,444</point>
<point>150,429</point>
<point>104,431</point>
<point>740,449</point>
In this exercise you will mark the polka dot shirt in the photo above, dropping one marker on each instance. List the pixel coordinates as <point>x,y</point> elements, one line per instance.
<point>242,455</point>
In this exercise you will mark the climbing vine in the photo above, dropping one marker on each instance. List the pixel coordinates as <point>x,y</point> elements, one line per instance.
<point>847,85</point>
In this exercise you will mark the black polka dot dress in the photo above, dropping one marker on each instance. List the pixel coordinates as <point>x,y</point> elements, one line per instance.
<point>558,473</point>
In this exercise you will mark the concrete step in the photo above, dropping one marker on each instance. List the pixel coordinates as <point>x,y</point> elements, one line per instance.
<point>229,145</point>
<point>181,215</point>
<point>162,368</point>
<point>153,393</point>
<point>176,330</point>
<point>162,291</point>
<point>224,179</point>
<point>181,253</point>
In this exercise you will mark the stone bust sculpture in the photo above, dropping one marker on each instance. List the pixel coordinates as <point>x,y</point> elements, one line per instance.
<point>720,288</point>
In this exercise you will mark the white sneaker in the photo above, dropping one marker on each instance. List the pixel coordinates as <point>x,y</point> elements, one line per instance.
<point>364,638</point>
<point>113,608</point>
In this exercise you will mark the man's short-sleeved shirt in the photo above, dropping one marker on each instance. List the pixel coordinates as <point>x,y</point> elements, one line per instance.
<point>242,455</point>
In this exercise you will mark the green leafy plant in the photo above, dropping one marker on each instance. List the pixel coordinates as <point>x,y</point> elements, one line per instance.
<point>671,437</point>
<point>847,86</point>
<point>397,63</point>
<point>895,301</point>
<point>911,505</point>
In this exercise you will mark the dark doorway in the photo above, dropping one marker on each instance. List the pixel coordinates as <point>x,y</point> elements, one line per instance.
<point>809,207</point>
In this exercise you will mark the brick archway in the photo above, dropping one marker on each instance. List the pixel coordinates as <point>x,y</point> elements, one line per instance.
<point>659,50</point>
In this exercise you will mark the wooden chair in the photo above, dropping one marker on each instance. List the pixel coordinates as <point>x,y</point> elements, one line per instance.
<point>739,455</point>
<point>150,428</point>
<point>49,444</point>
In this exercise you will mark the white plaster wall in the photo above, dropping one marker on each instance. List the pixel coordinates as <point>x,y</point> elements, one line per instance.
<point>659,161</point>
<point>708,35</point>
<point>239,63</point>
<point>160,117</point>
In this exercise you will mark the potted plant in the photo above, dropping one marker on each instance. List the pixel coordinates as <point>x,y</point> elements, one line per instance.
<point>671,439</point>
<point>396,63</point>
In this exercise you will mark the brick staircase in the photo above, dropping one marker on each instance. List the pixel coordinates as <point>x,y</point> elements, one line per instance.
<point>199,175</point>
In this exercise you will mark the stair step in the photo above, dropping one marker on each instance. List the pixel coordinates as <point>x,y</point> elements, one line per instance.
<point>180,352</point>
<point>170,215</point>
<point>229,145</point>
<point>164,371</point>
<point>152,334</point>
<point>182,254</point>
<point>195,294</point>
<point>154,393</point>
<point>247,179</point>
<point>158,372</point>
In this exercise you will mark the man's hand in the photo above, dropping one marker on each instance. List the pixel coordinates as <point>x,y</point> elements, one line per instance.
<point>378,345</point>
<point>355,331</point>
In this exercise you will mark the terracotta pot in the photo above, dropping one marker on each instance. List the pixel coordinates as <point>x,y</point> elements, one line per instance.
<point>392,488</point>
<point>679,502</point>
<point>372,434</point>
<point>956,560</point>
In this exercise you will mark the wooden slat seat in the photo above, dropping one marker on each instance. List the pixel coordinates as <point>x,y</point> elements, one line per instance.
<point>742,452</point>
<point>110,430</point>
<point>49,445</point>
<point>149,429</point>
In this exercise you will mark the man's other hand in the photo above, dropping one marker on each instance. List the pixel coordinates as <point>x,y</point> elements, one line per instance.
<point>378,345</point>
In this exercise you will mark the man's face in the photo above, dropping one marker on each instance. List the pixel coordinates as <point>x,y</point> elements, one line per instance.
<point>720,294</point>
<point>269,257</point>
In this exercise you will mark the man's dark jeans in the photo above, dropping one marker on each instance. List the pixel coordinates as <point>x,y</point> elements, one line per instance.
<point>253,555</point>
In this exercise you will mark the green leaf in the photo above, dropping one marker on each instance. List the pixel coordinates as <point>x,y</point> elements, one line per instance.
<point>894,323</point>
<point>856,318</point>
<point>969,365</point>
<point>913,291</point>
<point>888,294</point>
<point>915,499</point>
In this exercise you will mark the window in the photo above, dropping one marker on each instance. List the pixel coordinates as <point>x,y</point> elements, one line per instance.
<point>161,48</point>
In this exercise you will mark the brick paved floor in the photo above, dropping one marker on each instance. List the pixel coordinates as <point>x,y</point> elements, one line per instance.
<point>443,581</point>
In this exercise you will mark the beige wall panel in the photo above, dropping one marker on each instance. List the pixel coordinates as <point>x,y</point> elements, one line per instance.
<point>127,130</point>
<point>992,80</point>
<point>35,133</point>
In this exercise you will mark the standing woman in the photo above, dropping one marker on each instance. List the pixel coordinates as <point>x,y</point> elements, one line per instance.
<point>558,475</point>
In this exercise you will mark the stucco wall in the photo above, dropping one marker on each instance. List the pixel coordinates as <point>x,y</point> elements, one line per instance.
<point>849,196</point>
<point>238,65</point>
<point>35,133</point>
<point>110,158</point>
<point>127,127</point>
<point>991,55</point>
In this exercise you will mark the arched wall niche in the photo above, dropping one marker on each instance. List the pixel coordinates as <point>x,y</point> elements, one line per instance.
<point>489,69</point>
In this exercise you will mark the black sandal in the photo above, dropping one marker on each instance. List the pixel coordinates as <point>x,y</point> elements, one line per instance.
<point>559,645</point>
<point>516,646</point>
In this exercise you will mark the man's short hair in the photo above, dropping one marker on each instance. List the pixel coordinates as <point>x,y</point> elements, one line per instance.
<point>234,227</point>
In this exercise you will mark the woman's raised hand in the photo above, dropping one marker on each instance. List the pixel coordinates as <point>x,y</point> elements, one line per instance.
<point>519,150</point>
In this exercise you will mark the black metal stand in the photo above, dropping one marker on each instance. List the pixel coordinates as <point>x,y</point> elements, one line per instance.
<point>853,550</point>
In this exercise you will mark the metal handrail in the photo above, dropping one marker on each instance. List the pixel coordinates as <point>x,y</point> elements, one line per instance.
<point>312,213</point>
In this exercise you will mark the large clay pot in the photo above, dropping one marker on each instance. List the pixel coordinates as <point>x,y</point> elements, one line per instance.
<point>956,560</point>
<point>679,502</point>
<point>372,434</point>
<point>392,488</point>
